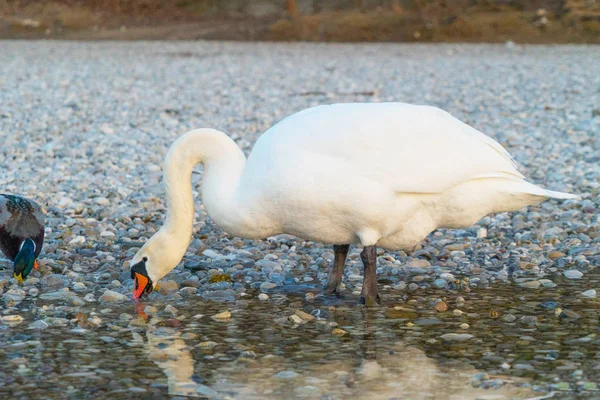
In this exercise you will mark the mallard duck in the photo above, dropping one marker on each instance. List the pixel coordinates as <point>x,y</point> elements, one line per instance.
<point>373,174</point>
<point>21,232</point>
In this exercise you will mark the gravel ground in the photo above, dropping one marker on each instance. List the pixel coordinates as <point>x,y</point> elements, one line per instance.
<point>85,127</point>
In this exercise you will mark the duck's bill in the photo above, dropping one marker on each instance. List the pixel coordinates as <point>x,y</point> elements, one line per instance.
<point>142,285</point>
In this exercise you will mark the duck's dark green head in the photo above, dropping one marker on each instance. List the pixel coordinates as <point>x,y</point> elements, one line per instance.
<point>25,260</point>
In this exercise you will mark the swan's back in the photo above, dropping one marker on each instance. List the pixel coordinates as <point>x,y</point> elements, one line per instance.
<point>411,149</point>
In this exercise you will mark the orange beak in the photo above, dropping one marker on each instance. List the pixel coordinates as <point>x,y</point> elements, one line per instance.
<point>36,265</point>
<point>140,285</point>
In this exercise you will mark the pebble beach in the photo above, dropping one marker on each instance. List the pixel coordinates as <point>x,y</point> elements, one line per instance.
<point>505,308</point>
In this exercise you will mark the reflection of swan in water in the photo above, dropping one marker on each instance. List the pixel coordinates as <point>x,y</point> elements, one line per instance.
<point>168,350</point>
<point>396,371</point>
<point>378,370</point>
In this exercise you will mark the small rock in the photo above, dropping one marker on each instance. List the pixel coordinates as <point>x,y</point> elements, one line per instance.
<point>529,320</point>
<point>12,319</point>
<point>39,324</point>
<point>441,306</point>
<point>456,337</point>
<point>94,321</point>
<point>193,283</point>
<point>69,297</point>
<point>440,283</point>
<point>77,240</point>
<point>589,293</point>
<point>508,318</point>
<point>553,255</point>
<point>296,319</point>
<point>338,332</point>
<point>448,277</point>
<point>460,301</point>
<point>168,287</point>
<point>89,298</point>
<point>222,316</point>
<point>54,282</point>
<point>172,310</point>
<point>13,296</point>
<point>150,310</point>
<point>531,284</point>
<point>305,316</point>
<point>207,345</point>
<point>263,297</point>
<point>418,263</point>
<point>568,314</point>
<point>266,286</point>
<point>573,274</point>
<point>101,201</point>
<point>110,296</point>
<point>549,305</point>
<point>547,283</point>
<point>464,326</point>
<point>286,375</point>
<point>31,281</point>
<point>457,312</point>
<point>210,253</point>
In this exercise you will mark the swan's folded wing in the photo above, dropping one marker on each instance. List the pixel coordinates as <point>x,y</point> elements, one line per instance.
<point>411,149</point>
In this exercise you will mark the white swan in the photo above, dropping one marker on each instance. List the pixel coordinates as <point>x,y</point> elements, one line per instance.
<point>380,174</point>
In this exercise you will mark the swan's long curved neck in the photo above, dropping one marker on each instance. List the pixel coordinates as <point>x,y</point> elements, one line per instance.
<point>223,163</point>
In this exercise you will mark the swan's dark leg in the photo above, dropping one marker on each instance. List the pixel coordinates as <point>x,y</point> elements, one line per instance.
<point>337,269</point>
<point>369,295</point>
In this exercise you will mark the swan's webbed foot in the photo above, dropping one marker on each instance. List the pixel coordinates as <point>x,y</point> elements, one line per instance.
<point>369,295</point>
<point>337,269</point>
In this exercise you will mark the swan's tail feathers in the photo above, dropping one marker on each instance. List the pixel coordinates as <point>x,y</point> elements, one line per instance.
<point>561,195</point>
<point>519,185</point>
<point>550,194</point>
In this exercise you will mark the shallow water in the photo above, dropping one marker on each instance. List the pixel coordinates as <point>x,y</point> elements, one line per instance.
<point>394,351</point>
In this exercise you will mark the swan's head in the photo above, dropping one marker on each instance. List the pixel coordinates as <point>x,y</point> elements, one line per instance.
<point>142,282</point>
<point>157,257</point>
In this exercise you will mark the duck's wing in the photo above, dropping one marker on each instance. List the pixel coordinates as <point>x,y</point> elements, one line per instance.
<point>20,218</point>
<point>410,149</point>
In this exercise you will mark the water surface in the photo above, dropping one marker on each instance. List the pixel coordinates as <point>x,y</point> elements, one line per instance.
<point>525,343</point>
